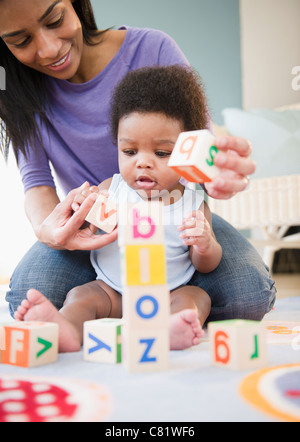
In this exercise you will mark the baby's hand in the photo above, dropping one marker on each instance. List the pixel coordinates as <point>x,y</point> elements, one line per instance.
<point>84,191</point>
<point>197,231</point>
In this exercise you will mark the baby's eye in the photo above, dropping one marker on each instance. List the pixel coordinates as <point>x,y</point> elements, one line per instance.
<point>129,152</point>
<point>162,154</point>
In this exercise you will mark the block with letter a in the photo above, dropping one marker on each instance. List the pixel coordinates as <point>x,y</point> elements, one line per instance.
<point>103,214</point>
<point>146,298</point>
<point>238,344</point>
<point>193,156</point>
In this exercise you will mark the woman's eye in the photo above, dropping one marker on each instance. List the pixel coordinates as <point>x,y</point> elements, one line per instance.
<point>56,23</point>
<point>23,43</point>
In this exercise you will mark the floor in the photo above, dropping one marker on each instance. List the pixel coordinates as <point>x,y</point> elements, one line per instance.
<point>192,390</point>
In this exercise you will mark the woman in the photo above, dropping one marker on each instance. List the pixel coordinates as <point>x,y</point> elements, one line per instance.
<point>61,72</point>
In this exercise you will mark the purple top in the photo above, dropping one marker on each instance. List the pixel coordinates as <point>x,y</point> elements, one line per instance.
<point>79,144</point>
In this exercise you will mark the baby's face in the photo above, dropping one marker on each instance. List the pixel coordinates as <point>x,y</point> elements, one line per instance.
<point>145,142</point>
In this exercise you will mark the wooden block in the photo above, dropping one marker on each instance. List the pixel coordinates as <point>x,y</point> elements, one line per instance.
<point>143,265</point>
<point>2,340</point>
<point>141,223</point>
<point>238,344</point>
<point>103,214</point>
<point>145,350</point>
<point>193,156</point>
<point>146,307</point>
<point>30,344</point>
<point>102,340</point>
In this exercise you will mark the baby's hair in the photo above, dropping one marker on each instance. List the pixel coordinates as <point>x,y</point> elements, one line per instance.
<point>175,91</point>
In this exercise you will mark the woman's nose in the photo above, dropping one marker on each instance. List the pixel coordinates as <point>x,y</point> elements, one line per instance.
<point>48,47</point>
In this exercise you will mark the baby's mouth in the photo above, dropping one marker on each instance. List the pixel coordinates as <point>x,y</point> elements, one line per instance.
<point>145,182</point>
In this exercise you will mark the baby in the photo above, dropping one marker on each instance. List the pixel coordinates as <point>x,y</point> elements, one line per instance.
<point>150,108</point>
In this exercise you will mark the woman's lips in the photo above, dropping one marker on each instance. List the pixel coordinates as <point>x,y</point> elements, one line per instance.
<point>61,64</point>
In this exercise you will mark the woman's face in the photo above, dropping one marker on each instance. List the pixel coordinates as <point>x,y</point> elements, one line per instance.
<point>45,35</point>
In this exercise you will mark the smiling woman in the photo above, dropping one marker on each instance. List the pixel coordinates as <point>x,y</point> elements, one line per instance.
<point>49,40</point>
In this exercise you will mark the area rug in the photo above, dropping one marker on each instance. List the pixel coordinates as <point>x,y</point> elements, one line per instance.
<point>191,390</point>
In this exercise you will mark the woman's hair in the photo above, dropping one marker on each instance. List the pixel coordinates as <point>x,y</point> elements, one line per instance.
<point>174,91</point>
<point>25,99</point>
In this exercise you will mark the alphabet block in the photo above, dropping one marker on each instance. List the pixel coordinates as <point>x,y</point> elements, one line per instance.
<point>193,156</point>
<point>238,344</point>
<point>103,214</point>
<point>146,300</point>
<point>145,351</point>
<point>146,307</point>
<point>143,265</point>
<point>141,223</point>
<point>2,340</point>
<point>29,344</point>
<point>102,340</point>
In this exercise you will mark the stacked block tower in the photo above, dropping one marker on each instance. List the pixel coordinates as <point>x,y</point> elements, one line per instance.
<point>146,298</point>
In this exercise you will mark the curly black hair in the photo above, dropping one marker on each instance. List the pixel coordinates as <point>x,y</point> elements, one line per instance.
<point>175,91</point>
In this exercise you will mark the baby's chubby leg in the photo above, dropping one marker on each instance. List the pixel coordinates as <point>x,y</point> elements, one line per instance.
<point>190,307</point>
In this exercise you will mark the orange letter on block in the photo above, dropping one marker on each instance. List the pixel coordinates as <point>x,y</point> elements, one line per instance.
<point>187,148</point>
<point>220,341</point>
<point>17,347</point>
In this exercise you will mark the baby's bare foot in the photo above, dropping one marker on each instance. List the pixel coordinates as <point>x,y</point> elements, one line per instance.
<point>38,308</point>
<point>185,330</point>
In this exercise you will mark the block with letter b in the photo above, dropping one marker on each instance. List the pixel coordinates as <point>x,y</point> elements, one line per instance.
<point>238,344</point>
<point>102,340</point>
<point>29,344</point>
<point>193,156</point>
<point>141,223</point>
<point>103,214</point>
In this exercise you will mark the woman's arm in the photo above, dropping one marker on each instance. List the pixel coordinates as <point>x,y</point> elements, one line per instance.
<point>39,203</point>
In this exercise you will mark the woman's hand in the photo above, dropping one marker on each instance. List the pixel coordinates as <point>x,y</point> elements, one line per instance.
<point>235,163</point>
<point>83,192</point>
<point>63,228</point>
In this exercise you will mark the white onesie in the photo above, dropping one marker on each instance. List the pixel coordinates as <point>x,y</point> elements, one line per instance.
<point>106,261</point>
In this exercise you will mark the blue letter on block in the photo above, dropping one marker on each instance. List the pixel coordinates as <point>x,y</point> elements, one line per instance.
<point>139,304</point>
<point>149,343</point>
<point>99,345</point>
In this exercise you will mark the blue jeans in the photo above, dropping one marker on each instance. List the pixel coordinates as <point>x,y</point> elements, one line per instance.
<point>240,287</point>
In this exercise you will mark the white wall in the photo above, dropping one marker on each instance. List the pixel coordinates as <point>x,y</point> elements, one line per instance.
<point>270,43</point>
<point>16,235</point>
